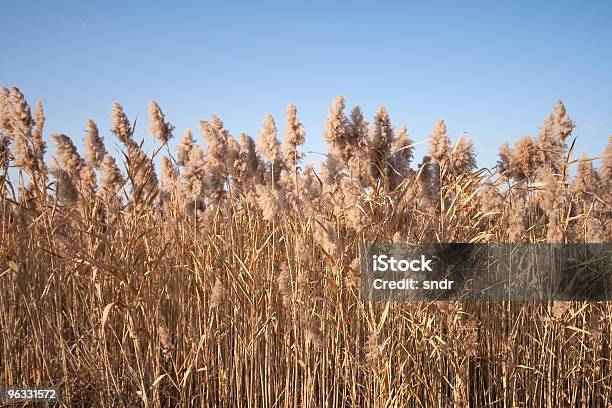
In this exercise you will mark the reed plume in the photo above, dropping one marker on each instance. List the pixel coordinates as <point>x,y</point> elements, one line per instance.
<point>380,139</point>
<point>111,179</point>
<point>121,125</point>
<point>439,143</point>
<point>94,146</point>
<point>159,128</point>
<point>184,147</point>
<point>294,137</point>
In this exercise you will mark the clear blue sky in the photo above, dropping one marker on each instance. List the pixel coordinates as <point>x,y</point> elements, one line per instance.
<point>494,69</point>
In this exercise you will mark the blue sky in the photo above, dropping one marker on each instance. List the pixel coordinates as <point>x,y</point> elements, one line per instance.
<point>494,69</point>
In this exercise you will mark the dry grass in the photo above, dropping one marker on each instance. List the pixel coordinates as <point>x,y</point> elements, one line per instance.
<point>157,299</point>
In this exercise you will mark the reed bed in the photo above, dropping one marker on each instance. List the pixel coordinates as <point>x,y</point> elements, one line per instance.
<point>233,278</point>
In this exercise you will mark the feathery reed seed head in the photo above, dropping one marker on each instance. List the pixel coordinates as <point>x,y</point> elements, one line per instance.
<point>159,128</point>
